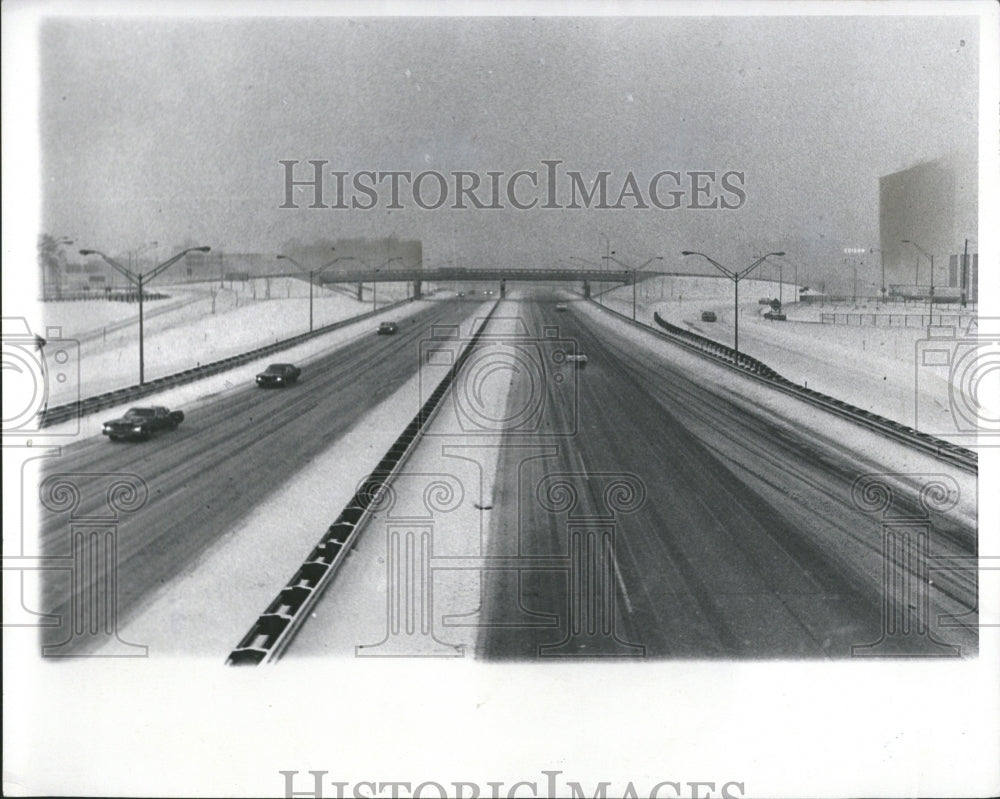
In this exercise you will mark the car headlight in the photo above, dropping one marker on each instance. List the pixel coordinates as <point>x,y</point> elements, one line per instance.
<point>278,379</point>
<point>136,429</point>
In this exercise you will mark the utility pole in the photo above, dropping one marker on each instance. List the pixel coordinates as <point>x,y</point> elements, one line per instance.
<point>142,360</point>
<point>964,278</point>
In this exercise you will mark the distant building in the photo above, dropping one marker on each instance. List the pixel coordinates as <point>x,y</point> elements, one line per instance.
<point>932,205</point>
<point>352,255</point>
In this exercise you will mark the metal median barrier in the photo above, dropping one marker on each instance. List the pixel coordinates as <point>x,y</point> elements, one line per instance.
<point>71,410</point>
<point>275,628</point>
<point>942,450</point>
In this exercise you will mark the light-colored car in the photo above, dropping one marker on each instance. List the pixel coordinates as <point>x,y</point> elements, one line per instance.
<point>561,306</point>
<point>580,359</point>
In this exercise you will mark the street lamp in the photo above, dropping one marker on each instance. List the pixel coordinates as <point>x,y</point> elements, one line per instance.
<point>313,274</point>
<point>138,278</point>
<point>634,271</point>
<point>795,277</point>
<point>736,277</point>
<point>963,279</point>
<point>604,261</point>
<point>881,257</point>
<point>929,257</point>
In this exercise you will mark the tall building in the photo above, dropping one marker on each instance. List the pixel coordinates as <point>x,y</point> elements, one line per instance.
<point>926,213</point>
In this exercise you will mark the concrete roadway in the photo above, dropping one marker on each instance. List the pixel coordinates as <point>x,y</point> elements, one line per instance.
<point>747,545</point>
<point>223,460</point>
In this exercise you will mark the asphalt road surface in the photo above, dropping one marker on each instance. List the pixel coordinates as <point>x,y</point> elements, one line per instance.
<point>226,457</point>
<point>677,522</point>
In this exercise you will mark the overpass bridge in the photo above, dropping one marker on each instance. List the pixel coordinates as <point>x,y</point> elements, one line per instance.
<point>457,274</point>
<point>418,276</point>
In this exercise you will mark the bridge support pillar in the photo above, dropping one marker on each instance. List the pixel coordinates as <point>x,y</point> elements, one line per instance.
<point>586,289</point>
<point>417,289</point>
<point>503,288</point>
<point>360,295</point>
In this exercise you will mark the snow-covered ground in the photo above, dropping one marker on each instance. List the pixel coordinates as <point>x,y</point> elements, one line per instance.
<point>879,369</point>
<point>191,395</point>
<point>195,326</point>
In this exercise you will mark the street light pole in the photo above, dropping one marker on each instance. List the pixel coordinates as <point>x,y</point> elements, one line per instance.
<point>736,277</point>
<point>604,262</point>
<point>142,359</point>
<point>929,257</point>
<point>313,274</point>
<point>881,258</point>
<point>795,279</point>
<point>635,271</point>
<point>139,279</point>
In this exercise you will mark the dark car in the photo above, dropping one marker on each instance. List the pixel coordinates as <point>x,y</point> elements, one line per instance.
<point>142,423</point>
<point>387,328</point>
<point>776,316</point>
<point>709,316</point>
<point>278,374</point>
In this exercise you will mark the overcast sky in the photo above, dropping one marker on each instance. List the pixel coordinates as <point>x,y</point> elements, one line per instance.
<point>173,129</point>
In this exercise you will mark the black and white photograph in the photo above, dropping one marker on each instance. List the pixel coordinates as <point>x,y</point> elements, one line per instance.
<point>499,400</point>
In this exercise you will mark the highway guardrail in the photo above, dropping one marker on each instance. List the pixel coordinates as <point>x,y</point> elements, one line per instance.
<point>272,633</point>
<point>720,353</point>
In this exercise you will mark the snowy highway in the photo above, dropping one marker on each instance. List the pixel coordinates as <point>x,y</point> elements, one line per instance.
<point>749,542</point>
<point>232,452</point>
<point>651,504</point>
<point>655,505</point>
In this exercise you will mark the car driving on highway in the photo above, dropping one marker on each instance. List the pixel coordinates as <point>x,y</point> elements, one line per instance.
<point>561,306</point>
<point>387,328</point>
<point>141,423</point>
<point>278,374</point>
<point>708,316</point>
<point>580,359</point>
